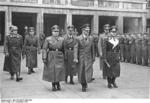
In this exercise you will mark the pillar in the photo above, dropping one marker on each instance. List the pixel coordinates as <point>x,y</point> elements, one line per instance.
<point>143,23</point>
<point>68,20</point>
<point>119,24</point>
<point>95,24</point>
<point>39,25</point>
<point>8,20</point>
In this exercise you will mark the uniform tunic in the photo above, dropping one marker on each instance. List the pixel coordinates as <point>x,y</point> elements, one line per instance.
<point>133,51</point>
<point>85,54</point>
<point>122,48</point>
<point>100,49</point>
<point>126,49</point>
<point>111,56</point>
<point>69,42</point>
<point>13,46</point>
<point>148,47</point>
<point>31,46</point>
<point>145,51</point>
<point>139,50</point>
<point>54,70</point>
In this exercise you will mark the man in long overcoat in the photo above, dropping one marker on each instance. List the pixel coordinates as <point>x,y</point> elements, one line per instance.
<point>145,50</point>
<point>133,49</point>
<point>148,47</point>
<point>100,46</point>
<point>84,56</point>
<point>31,47</point>
<point>139,49</point>
<point>13,50</point>
<point>127,43</point>
<point>69,42</point>
<point>121,44</point>
<point>53,58</point>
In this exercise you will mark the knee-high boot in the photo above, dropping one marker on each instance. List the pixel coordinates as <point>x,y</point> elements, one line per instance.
<point>71,80</point>
<point>18,78</point>
<point>53,86</point>
<point>114,83</point>
<point>109,82</point>
<point>58,86</point>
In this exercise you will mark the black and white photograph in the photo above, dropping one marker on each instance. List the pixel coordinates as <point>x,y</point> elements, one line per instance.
<point>74,49</point>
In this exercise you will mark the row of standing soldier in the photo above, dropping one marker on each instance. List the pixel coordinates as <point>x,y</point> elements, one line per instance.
<point>135,48</point>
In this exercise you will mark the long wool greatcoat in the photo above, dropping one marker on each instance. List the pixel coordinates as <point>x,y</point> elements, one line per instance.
<point>139,50</point>
<point>68,44</point>
<point>148,47</point>
<point>31,46</point>
<point>100,50</point>
<point>145,51</point>
<point>111,56</point>
<point>133,51</point>
<point>54,70</point>
<point>122,48</point>
<point>85,54</point>
<point>127,48</point>
<point>13,46</point>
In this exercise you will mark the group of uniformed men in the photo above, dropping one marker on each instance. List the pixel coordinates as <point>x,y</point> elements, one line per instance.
<point>135,48</point>
<point>68,55</point>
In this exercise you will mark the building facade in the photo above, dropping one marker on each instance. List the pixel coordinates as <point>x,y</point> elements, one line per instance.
<point>148,17</point>
<point>128,15</point>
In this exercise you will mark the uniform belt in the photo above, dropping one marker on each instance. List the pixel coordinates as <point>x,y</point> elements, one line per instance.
<point>69,48</point>
<point>14,47</point>
<point>55,50</point>
<point>31,46</point>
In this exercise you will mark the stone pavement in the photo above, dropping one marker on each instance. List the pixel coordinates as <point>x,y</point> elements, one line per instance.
<point>133,83</point>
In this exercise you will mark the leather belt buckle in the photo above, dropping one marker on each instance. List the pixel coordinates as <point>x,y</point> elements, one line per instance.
<point>70,48</point>
<point>56,49</point>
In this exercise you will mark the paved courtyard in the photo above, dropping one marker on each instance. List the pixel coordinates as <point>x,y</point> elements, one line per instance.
<point>133,83</point>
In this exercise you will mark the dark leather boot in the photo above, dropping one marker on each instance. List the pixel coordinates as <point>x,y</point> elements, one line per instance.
<point>113,82</point>
<point>12,76</point>
<point>32,71</point>
<point>53,86</point>
<point>66,79</point>
<point>58,86</point>
<point>71,80</point>
<point>83,87</point>
<point>29,71</point>
<point>109,83</point>
<point>18,78</point>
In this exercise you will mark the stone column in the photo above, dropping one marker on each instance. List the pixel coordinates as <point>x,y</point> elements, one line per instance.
<point>39,25</point>
<point>8,20</point>
<point>95,24</point>
<point>119,24</point>
<point>68,20</point>
<point>143,23</point>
